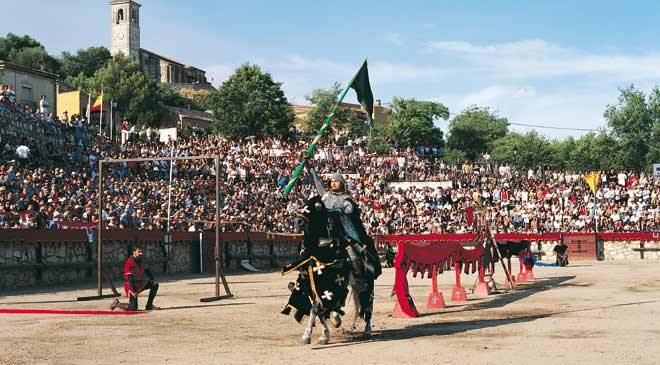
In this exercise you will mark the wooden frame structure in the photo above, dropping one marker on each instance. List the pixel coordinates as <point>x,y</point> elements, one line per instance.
<point>219,275</point>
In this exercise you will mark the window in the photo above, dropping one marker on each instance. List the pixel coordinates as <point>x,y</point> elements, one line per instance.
<point>120,15</point>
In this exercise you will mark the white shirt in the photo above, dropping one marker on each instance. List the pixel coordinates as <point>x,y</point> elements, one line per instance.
<point>622,179</point>
<point>22,151</point>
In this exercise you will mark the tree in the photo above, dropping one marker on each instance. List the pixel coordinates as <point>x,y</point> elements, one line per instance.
<point>474,130</point>
<point>377,141</point>
<point>412,122</point>
<point>454,156</point>
<point>531,150</point>
<point>251,103</point>
<point>653,154</point>
<point>136,94</point>
<point>28,52</point>
<point>344,119</point>
<point>85,61</point>
<point>631,121</point>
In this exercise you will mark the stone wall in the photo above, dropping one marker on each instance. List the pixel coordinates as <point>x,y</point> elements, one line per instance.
<point>30,258</point>
<point>622,250</point>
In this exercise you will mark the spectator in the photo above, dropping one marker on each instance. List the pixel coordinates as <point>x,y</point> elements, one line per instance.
<point>43,105</point>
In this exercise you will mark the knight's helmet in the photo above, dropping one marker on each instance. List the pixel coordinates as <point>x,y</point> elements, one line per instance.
<point>339,177</point>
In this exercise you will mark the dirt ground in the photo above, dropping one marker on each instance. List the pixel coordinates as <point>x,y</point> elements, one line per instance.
<point>591,312</point>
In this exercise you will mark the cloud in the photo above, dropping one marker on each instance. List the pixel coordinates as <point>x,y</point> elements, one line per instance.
<point>394,38</point>
<point>537,58</point>
<point>300,75</point>
<point>527,104</point>
<point>217,74</point>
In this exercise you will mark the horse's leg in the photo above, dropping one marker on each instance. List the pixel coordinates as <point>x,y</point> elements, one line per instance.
<point>307,335</point>
<point>325,335</point>
<point>368,294</point>
<point>356,306</point>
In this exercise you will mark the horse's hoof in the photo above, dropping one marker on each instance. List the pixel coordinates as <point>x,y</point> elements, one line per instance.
<point>307,341</point>
<point>335,318</point>
<point>324,340</point>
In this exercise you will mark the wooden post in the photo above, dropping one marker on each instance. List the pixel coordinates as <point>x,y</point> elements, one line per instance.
<point>99,251</point>
<point>99,244</point>
<point>219,275</point>
<point>218,262</point>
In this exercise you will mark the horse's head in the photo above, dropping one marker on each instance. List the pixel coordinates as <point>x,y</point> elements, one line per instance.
<point>320,228</point>
<point>312,218</point>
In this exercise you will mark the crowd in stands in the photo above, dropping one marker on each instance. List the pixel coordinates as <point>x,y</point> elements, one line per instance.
<point>39,192</point>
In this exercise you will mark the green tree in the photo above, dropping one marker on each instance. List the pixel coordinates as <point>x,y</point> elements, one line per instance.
<point>28,52</point>
<point>135,93</point>
<point>474,130</point>
<point>251,103</point>
<point>653,154</point>
<point>378,141</point>
<point>323,100</point>
<point>531,150</point>
<point>412,122</point>
<point>84,61</point>
<point>454,156</point>
<point>631,121</point>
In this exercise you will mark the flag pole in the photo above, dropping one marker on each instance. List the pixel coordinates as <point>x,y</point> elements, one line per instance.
<point>112,115</point>
<point>101,116</point>
<point>169,188</point>
<point>89,108</point>
<point>326,122</point>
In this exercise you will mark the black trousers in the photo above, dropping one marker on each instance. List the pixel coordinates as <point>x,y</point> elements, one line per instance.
<point>562,260</point>
<point>133,301</point>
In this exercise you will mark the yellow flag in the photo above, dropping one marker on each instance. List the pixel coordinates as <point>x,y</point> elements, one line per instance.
<point>592,180</point>
<point>98,103</point>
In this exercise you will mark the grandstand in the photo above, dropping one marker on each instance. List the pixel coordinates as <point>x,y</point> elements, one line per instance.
<point>253,173</point>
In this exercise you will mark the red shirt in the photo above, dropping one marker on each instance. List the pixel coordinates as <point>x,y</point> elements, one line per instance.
<point>132,268</point>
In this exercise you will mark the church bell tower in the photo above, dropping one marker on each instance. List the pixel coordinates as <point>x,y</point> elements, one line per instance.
<point>125,28</point>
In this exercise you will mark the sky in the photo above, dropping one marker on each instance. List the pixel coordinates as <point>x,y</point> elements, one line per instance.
<point>553,63</point>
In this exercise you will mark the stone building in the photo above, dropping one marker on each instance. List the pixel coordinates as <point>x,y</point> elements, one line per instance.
<point>381,113</point>
<point>29,85</point>
<point>125,38</point>
<point>182,118</point>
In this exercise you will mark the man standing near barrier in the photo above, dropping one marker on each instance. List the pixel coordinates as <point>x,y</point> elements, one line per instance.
<point>135,283</point>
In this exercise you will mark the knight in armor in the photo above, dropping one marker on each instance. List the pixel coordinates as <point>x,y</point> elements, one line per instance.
<point>360,247</point>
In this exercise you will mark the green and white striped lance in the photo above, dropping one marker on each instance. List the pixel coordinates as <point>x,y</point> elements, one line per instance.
<point>360,83</point>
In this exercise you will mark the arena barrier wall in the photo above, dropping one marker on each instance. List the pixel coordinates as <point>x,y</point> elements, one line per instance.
<point>603,246</point>
<point>30,258</point>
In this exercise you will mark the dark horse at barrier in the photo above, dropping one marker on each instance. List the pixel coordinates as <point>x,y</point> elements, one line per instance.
<point>326,271</point>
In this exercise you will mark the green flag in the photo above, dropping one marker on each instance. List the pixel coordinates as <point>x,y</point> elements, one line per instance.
<point>360,83</point>
<point>362,88</point>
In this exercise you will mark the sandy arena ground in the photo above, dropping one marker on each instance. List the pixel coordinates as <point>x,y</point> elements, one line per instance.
<point>592,312</point>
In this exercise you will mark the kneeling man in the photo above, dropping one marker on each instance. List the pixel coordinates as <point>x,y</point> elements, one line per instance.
<point>136,280</point>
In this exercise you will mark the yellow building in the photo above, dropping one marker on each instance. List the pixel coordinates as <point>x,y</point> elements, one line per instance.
<point>73,102</point>
<point>29,85</point>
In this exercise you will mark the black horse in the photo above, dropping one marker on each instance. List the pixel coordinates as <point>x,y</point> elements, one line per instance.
<point>324,270</point>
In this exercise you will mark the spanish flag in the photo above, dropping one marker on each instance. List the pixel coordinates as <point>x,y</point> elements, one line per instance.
<point>98,104</point>
<point>592,180</point>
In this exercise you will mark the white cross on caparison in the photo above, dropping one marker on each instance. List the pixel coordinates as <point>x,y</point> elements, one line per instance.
<point>339,280</point>
<point>327,295</point>
<point>319,269</point>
